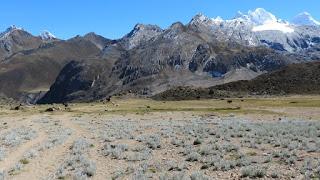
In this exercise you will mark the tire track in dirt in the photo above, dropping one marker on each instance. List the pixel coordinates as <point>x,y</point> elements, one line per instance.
<point>46,163</point>
<point>12,158</point>
<point>102,170</point>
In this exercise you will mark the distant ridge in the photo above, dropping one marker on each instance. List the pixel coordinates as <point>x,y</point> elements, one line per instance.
<point>295,79</point>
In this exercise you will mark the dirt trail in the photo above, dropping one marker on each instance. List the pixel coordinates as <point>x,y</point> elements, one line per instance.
<point>46,163</point>
<point>15,156</point>
<point>102,170</point>
<point>49,161</point>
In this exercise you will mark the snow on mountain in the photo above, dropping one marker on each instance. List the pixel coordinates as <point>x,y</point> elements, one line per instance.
<point>140,33</point>
<point>263,20</point>
<point>259,27</point>
<point>8,31</point>
<point>305,19</point>
<point>15,39</point>
<point>257,20</point>
<point>260,17</point>
<point>46,35</point>
<point>202,19</point>
<point>274,26</point>
<point>217,19</point>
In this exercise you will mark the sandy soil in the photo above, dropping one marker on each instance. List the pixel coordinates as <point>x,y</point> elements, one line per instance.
<point>91,121</point>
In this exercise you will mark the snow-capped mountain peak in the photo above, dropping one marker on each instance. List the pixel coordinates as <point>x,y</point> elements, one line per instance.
<point>305,18</point>
<point>46,35</point>
<point>217,19</point>
<point>13,27</point>
<point>260,16</point>
<point>202,19</point>
<point>9,30</point>
<point>241,16</point>
<point>262,20</point>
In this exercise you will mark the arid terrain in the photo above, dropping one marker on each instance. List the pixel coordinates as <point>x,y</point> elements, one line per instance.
<point>130,138</point>
<point>168,90</point>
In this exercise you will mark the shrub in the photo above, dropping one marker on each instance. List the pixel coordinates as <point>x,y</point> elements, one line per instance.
<point>24,161</point>
<point>175,176</point>
<point>2,153</point>
<point>251,153</point>
<point>32,153</point>
<point>225,165</point>
<point>152,141</point>
<point>206,150</point>
<point>311,169</point>
<point>177,142</point>
<point>115,150</point>
<point>245,172</point>
<point>274,175</point>
<point>311,148</point>
<point>267,159</point>
<point>197,141</point>
<point>138,156</point>
<point>79,146</point>
<point>18,166</point>
<point>90,169</point>
<point>16,136</point>
<point>230,148</point>
<point>2,175</point>
<point>253,172</point>
<point>198,176</point>
<point>78,164</point>
<point>194,156</point>
<point>174,166</point>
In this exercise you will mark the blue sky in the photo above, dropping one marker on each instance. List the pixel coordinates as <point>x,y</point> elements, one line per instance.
<point>115,18</point>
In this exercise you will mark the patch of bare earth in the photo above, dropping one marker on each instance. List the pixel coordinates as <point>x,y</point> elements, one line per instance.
<point>161,145</point>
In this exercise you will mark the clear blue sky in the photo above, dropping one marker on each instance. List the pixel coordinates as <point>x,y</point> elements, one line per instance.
<point>114,18</point>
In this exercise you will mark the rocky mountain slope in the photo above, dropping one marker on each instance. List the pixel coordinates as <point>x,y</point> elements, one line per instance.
<point>148,60</point>
<point>179,56</point>
<point>29,72</point>
<point>293,79</point>
<point>15,39</point>
<point>202,53</point>
<point>98,40</point>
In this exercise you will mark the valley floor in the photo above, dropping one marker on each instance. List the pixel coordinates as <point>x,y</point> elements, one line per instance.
<point>130,138</point>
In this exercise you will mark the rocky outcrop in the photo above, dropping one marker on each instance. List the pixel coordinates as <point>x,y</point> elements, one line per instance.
<point>73,78</point>
<point>141,33</point>
<point>178,56</point>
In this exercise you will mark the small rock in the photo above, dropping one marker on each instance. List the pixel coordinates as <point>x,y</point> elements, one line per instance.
<point>17,107</point>
<point>51,109</point>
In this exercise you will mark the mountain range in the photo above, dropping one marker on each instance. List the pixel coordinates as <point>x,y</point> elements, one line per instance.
<point>149,60</point>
